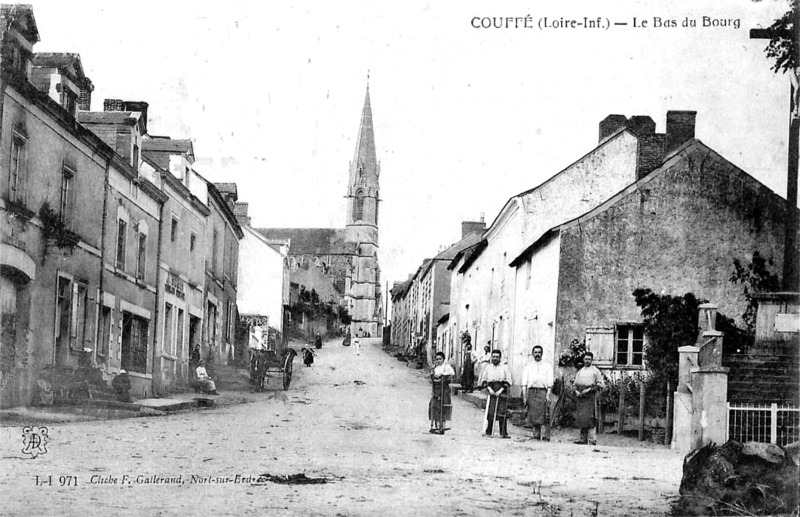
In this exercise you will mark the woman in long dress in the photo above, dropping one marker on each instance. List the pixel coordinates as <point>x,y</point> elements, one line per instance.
<point>440,408</point>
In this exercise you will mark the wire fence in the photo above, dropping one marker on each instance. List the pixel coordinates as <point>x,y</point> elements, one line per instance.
<point>769,423</point>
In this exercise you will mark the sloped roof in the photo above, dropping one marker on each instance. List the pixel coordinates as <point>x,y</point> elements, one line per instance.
<point>168,145</point>
<point>62,60</point>
<point>312,241</point>
<point>129,118</point>
<point>682,153</point>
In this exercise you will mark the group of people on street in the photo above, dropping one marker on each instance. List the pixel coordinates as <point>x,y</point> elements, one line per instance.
<point>537,387</point>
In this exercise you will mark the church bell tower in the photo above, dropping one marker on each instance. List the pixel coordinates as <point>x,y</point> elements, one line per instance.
<point>361,230</point>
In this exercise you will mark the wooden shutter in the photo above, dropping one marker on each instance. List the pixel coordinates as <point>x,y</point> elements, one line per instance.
<point>600,341</point>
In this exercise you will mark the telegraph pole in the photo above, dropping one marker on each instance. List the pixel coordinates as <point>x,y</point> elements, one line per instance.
<point>791,275</point>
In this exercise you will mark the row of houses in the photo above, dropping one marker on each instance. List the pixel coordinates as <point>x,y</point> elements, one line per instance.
<point>116,252</point>
<point>560,261</point>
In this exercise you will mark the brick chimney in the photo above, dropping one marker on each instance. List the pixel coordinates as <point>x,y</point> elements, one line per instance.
<point>120,105</point>
<point>468,227</point>
<point>611,124</point>
<point>240,211</point>
<point>680,128</point>
<point>85,97</point>
<point>113,105</point>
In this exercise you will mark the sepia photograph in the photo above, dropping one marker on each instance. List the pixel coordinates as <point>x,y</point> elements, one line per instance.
<point>435,257</point>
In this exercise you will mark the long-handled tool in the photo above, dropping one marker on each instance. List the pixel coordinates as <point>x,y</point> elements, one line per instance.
<point>486,413</point>
<point>496,403</point>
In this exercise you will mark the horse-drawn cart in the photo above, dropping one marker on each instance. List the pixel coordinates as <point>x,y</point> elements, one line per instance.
<point>266,362</point>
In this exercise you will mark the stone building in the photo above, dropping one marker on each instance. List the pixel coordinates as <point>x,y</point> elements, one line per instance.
<point>676,230</point>
<point>643,209</point>
<point>263,280</point>
<point>424,299</point>
<point>349,256</point>
<point>80,227</point>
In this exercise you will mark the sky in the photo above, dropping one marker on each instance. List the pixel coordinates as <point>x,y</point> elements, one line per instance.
<point>465,118</point>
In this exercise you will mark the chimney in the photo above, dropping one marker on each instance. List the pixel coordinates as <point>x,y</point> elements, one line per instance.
<point>113,105</point>
<point>141,107</point>
<point>611,124</point>
<point>240,211</point>
<point>680,128</point>
<point>641,125</point>
<point>85,97</point>
<point>468,227</point>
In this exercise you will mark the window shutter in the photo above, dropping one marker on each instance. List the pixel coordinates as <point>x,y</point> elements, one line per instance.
<point>600,341</point>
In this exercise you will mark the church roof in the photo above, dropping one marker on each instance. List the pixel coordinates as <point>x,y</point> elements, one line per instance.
<point>312,241</point>
<point>365,155</point>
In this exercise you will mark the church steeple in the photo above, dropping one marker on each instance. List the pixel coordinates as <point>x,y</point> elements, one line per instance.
<point>362,189</point>
<point>362,290</point>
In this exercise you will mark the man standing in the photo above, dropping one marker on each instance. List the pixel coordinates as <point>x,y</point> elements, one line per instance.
<point>537,384</point>
<point>588,384</point>
<point>468,369</point>
<point>497,381</point>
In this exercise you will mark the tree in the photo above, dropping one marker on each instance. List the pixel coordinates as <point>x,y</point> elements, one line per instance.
<point>670,322</point>
<point>754,277</point>
<point>783,41</point>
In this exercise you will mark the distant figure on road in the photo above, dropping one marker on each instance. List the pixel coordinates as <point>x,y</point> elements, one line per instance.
<point>440,407</point>
<point>496,380</point>
<point>318,342</point>
<point>204,382</point>
<point>308,356</point>
<point>468,368</point>
<point>357,344</point>
<point>588,384</point>
<point>122,386</point>
<point>537,385</point>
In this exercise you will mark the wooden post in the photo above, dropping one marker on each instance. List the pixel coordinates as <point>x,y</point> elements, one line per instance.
<point>641,411</point>
<point>621,411</point>
<point>668,430</point>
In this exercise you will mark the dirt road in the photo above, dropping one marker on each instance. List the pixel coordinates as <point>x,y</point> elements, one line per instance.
<point>357,422</point>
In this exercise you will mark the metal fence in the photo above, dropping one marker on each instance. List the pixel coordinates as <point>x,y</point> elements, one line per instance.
<point>769,423</point>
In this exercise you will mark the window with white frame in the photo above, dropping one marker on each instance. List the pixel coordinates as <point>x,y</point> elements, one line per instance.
<point>18,171</point>
<point>630,345</point>
<point>141,256</point>
<point>67,187</point>
<point>122,229</point>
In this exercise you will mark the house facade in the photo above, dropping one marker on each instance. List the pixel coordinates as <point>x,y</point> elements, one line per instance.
<point>487,298</point>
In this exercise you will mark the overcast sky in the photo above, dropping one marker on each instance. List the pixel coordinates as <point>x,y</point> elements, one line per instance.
<point>271,93</point>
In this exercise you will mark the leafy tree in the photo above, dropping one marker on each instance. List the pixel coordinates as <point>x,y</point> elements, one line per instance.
<point>755,277</point>
<point>670,322</point>
<point>783,44</point>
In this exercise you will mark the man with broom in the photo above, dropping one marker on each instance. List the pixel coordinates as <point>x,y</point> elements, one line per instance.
<point>496,380</point>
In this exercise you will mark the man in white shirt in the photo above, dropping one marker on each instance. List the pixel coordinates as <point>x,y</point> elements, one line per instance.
<point>537,384</point>
<point>497,381</point>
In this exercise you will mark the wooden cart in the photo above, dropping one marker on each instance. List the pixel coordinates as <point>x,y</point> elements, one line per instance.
<point>263,363</point>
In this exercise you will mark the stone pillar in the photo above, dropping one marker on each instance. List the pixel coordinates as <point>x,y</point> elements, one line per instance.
<point>709,405</point>
<point>687,360</point>
<point>711,351</point>
<point>682,400</point>
<point>707,317</point>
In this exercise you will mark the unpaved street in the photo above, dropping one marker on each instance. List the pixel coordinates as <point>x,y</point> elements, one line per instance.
<point>360,422</point>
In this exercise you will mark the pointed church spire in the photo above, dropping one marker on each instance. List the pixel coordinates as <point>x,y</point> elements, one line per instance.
<point>365,161</point>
